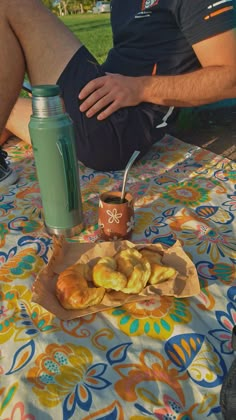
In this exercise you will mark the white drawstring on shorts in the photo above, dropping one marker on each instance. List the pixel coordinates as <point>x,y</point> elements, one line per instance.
<point>165,118</point>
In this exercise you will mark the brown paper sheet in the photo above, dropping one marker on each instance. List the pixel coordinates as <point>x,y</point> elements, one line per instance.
<point>65,253</point>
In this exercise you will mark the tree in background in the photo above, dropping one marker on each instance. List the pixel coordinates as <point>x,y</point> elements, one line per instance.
<point>65,7</point>
<point>49,3</point>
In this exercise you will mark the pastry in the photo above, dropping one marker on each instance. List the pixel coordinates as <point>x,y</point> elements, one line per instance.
<point>105,274</point>
<point>72,288</point>
<point>152,256</point>
<point>128,271</point>
<point>136,269</point>
<point>159,272</point>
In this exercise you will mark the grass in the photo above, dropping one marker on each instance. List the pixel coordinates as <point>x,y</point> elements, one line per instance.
<point>94,31</point>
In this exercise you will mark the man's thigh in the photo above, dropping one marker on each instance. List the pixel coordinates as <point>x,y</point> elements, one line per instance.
<point>107,144</point>
<point>47,43</point>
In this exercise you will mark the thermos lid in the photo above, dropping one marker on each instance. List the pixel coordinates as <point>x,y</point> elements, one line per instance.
<point>46,90</point>
<point>47,101</point>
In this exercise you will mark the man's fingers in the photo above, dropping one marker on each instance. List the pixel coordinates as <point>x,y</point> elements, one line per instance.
<point>113,107</point>
<point>91,87</point>
<point>107,94</point>
<point>92,99</point>
<point>98,106</point>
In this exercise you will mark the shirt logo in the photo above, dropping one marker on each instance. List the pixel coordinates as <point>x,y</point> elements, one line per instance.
<point>147,4</point>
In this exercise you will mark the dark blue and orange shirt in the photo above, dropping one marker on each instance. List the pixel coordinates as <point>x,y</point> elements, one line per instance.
<point>156,36</point>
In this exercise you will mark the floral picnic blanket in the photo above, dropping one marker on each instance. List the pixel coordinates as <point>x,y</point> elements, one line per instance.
<point>162,359</point>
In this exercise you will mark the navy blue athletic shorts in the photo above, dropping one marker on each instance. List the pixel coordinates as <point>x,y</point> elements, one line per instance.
<point>106,145</point>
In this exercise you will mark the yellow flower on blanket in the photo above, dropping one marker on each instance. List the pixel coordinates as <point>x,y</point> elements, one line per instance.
<point>67,373</point>
<point>57,371</point>
<point>187,193</point>
<point>153,317</point>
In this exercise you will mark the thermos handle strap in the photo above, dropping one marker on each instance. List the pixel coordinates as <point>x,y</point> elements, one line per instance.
<point>67,155</point>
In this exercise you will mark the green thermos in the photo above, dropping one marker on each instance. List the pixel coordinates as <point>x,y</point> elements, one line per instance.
<point>53,141</point>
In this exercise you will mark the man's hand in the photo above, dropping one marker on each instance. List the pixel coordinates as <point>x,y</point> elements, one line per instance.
<point>110,93</point>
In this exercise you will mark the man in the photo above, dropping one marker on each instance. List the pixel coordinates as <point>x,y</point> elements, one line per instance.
<point>167,53</point>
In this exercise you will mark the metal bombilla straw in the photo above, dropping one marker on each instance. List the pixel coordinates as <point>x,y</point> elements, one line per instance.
<point>127,168</point>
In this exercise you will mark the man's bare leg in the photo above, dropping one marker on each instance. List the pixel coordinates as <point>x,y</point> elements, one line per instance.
<point>5,136</point>
<point>18,121</point>
<point>32,40</point>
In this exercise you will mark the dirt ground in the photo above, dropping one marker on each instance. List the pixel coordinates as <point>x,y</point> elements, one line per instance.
<point>212,129</point>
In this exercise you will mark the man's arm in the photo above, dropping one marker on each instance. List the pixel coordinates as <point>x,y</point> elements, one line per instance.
<point>216,80</point>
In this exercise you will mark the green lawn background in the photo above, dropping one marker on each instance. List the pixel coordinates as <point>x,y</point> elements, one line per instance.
<point>94,31</point>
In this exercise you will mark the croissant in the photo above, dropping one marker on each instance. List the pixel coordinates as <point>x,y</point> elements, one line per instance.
<point>159,272</point>
<point>135,267</point>
<point>72,288</point>
<point>105,274</point>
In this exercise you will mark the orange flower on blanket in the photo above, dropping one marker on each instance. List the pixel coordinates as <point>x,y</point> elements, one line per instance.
<point>183,217</point>
<point>154,317</point>
<point>152,367</point>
